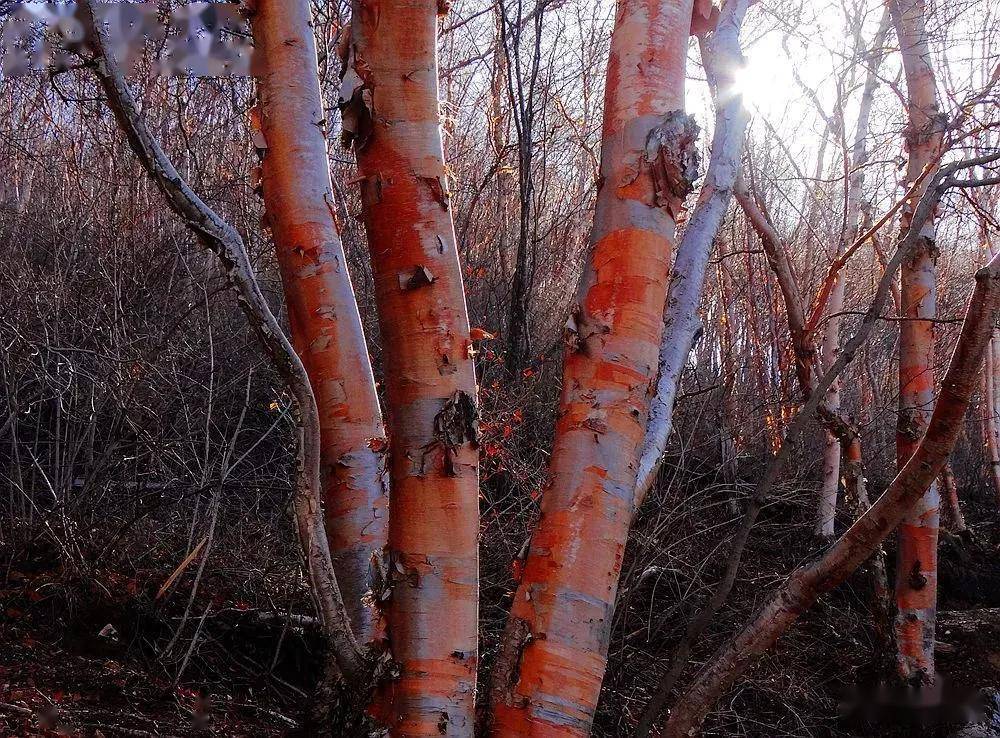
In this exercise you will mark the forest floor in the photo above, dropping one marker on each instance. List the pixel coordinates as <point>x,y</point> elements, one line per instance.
<point>93,672</point>
<point>87,655</point>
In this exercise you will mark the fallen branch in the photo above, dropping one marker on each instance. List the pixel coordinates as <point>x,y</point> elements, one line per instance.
<point>805,585</point>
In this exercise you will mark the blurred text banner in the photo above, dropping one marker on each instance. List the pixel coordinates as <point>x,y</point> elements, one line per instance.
<point>200,39</point>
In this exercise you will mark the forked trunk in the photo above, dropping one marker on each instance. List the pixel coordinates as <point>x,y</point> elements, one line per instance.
<point>389,100</point>
<point>554,650</point>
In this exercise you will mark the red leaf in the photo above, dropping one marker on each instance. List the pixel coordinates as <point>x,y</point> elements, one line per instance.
<point>516,569</point>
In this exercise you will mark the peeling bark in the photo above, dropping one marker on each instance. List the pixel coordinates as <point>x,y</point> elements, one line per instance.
<point>916,570</point>
<point>322,312</point>
<point>567,591</point>
<point>390,97</point>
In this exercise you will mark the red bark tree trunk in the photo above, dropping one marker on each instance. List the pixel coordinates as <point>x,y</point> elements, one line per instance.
<point>916,562</point>
<point>554,651</point>
<point>390,109</point>
<point>322,311</point>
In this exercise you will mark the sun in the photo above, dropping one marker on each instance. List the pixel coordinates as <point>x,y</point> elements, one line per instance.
<point>765,86</point>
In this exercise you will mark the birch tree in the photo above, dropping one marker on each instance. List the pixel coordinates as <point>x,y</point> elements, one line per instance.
<point>916,561</point>
<point>389,103</point>
<point>552,657</point>
<point>322,311</point>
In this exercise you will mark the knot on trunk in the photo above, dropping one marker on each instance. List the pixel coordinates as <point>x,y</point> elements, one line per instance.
<point>917,580</point>
<point>580,327</point>
<point>673,160</point>
<point>910,425</point>
<point>458,421</point>
<point>933,128</point>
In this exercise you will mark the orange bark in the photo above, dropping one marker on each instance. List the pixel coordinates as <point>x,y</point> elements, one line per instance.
<point>916,571</point>
<point>390,105</point>
<point>991,437</point>
<point>554,650</point>
<point>955,518</point>
<point>322,312</point>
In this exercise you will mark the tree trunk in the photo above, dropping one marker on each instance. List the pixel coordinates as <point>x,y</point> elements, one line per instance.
<point>991,429</point>
<point>721,57</point>
<point>858,160</point>
<point>856,492</point>
<point>322,312</point>
<point>521,97</point>
<point>953,511</point>
<point>223,240</point>
<point>916,562</point>
<point>554,650</point>
<point>389,100</point>
<point>827,508</point>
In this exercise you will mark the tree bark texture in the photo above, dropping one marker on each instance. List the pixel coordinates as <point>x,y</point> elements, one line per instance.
<point>322,311</point>
<point>916,560</point>
<point>554,650</point>
<point>389,100</point>
<point>721,57</point>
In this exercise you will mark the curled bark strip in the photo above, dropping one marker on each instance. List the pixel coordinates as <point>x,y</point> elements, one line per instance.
<point>416,278</point>
<point>355,100</point>
<point>455,425</point>
<point>672,157</point>
<point>507,668</point>
<point>458,421</point>
<point>439,188</point>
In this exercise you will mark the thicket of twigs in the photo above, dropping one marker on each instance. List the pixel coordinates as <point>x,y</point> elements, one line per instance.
<point>149,573</point>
